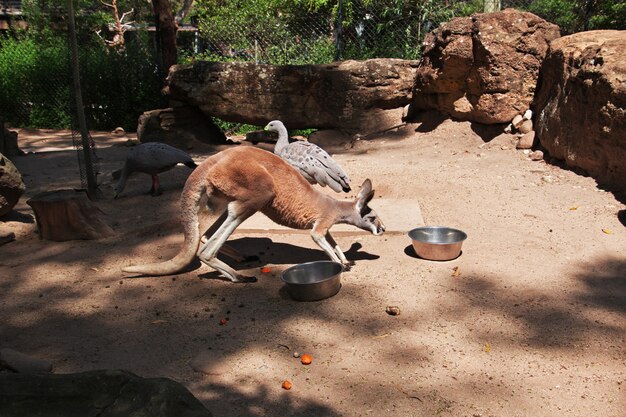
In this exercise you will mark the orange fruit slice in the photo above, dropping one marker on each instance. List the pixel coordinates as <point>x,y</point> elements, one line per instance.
<point>306,359</point>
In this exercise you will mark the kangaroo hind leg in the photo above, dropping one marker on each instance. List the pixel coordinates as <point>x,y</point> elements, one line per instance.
<point>225,226</point>
<point>225,249</point>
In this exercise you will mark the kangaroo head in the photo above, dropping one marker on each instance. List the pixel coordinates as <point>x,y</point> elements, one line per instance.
<point>369,219</point>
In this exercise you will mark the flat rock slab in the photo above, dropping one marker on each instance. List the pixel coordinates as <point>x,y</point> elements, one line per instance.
<point>20,362</point>
<point>107,393</point>
<point>398,215</point>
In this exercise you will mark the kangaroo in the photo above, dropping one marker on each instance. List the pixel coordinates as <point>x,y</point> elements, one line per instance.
<point>239,182</point>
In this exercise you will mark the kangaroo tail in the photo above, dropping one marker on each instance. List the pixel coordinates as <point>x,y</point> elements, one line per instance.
<point>195,188</point>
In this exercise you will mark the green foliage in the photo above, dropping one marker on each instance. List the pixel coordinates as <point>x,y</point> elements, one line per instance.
<point>269,31</point>
<point>303,31</point>
<point>35,74</point>
<point>561,12</point>
<point>609,14</point>
<point>119,84</point>
<point>28,95</point>
<point>577,15</point>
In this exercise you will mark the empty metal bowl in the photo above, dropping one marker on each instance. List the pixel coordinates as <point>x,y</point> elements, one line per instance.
<point>437,243</point>
<point>313,281</point>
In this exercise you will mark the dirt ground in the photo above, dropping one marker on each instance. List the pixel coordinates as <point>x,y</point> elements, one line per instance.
<point>528,321</point>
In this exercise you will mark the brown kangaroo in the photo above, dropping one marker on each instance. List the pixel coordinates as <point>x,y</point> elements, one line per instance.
<point>240,181</point>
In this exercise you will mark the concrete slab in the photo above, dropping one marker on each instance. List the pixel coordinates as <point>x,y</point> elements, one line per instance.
<point>399,216</point>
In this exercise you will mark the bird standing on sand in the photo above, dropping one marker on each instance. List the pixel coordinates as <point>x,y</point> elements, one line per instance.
<point>152,158</point>
<point>314,163</point>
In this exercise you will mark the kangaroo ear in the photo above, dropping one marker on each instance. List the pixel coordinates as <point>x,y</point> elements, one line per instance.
<point>366,189</point>
<point>365,195</point>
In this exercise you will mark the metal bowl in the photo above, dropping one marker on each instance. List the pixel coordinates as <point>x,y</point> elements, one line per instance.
<point>313,281</point>
<point>437,243</point>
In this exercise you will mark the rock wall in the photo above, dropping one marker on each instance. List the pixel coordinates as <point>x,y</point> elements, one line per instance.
<point>349,95</point>
<point>178,126</point>
<point>11,185</point>
<point>580,105</point>
<point>482,68</point>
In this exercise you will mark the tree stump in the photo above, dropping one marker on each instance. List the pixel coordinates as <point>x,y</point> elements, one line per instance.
<point>68,215</point>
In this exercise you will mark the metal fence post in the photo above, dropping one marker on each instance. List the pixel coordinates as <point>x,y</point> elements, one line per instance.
<point>492,6</point>
<point>80,111</point>
<point>338,39</point>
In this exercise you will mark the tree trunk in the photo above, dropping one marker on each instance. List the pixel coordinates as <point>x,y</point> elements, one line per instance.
<point>166,32</point>
<point>68,215</point>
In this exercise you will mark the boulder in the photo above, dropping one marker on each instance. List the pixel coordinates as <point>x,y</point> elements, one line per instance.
<point>580,107</point>
<point>8,142</point>
<point>357,96</point>
<point>178,126</point>
<point>11,185</point>
<point>482,68</point>
<point>108,393</point>
<point>21,362</point>
<point>526,141</point>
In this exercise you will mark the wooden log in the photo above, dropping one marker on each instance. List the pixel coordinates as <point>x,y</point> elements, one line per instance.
<point>68,215</point>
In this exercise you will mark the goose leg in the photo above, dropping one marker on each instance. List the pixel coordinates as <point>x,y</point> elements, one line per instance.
<point>156,186</point>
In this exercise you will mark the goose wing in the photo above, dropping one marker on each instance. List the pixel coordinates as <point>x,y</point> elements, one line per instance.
<point>316,165</point>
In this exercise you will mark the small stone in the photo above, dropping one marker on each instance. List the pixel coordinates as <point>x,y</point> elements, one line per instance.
<point>528,114</point>
<point>526,126</point>
<point>526,141</point>
<point>536,156</point>
<point>508,128</point>
<point>548,178</point>
<point>20,362</point>
<point>296,354</point>
<point>393,310</point>
<point>517,121</point>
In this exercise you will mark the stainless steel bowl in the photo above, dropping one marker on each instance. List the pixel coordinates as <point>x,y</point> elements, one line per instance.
<point>313,281</point>
<point>437,243</point>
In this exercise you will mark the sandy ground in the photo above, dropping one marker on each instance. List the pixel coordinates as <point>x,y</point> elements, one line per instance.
<point>528,321</point>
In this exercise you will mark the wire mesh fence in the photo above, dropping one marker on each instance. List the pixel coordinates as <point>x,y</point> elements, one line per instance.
<point>120,83</point>
<point>360,29</point>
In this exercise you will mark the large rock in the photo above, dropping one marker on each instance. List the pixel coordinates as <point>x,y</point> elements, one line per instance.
<point>482,68</point>
<point>580,105</point>
<point>95,393</point>
<point>11,185</point>
<point>8,142</point>
<point>350,95</point>
<point>178,126</point>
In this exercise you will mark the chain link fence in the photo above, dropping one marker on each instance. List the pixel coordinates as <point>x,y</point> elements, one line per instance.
<point>121,83</point>
<point>38,89</point>
<point>360,29</point>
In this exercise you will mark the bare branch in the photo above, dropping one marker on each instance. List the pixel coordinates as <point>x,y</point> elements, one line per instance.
<point>184,10</point>
<point>126,13</point>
